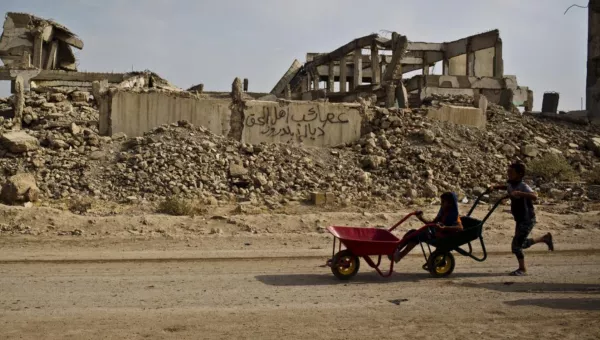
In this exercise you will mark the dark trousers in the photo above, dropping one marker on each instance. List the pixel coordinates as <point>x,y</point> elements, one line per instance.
<point>520,240</point>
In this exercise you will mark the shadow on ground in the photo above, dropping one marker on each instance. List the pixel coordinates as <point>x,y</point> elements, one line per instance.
<point>285,280</point>
<point>535,287</point>
<point>564,304</point>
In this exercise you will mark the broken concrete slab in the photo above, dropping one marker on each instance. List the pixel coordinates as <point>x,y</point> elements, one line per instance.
<point>46,41</point>
<point>19,142</point>
<point>469,116</point>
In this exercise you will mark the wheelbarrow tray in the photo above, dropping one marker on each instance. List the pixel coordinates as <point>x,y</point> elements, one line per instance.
<point>472,231</point>
<point>366,241</point>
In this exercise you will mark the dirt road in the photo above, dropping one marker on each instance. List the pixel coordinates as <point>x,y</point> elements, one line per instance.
<point>297,299</point>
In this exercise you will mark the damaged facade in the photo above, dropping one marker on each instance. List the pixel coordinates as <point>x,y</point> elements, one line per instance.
<point>470,66</point>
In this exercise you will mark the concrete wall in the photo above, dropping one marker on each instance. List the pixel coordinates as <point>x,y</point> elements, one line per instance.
<point>458,65</point>
<point>313,124</point>
<point>470,116</point>
<point>484,62</point>
<point>134,113</point>
<point>251,121</point>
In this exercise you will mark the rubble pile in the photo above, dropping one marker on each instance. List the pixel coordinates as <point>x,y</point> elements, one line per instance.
<point>53,109</point>
<point>411,155</point>
<point>405,156</point>
<point>449,99</point>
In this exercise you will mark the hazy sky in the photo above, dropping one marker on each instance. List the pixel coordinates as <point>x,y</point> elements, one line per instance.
<point>212,42</point>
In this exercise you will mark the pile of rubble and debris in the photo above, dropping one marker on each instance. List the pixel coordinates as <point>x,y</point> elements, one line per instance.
<point>52,109</point>
<point>406,156</point>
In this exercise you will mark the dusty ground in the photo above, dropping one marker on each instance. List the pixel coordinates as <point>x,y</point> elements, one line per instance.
<point>224,276</point>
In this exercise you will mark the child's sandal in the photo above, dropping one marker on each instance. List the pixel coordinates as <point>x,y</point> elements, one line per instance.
<point>518,272</point>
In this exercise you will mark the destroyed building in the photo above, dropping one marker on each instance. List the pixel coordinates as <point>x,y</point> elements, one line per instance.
<point>40,51</point>
<point>470,66</point>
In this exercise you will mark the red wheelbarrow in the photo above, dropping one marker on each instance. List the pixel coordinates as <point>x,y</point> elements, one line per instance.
<point>367,242</point>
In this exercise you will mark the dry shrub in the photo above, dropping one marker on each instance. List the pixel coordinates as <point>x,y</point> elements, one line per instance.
<point>176,206</point>
<point>80,205</point>
<point>551,167</point>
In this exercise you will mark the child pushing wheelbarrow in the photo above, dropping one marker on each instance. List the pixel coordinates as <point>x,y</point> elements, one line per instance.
<point>447,233</point>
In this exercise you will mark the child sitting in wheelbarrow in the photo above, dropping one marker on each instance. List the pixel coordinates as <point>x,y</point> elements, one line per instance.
<point>445,223</point>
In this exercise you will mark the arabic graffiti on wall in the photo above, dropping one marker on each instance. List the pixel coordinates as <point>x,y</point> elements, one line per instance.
<point>276,121</point>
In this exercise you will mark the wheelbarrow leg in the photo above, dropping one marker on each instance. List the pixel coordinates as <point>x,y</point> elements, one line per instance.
<point>376,266</point>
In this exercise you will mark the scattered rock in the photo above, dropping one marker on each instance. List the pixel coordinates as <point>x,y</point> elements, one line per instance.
<point>20,188</point>
<point>19,142</point>
<point>529,151</point>
<point>428,136</point>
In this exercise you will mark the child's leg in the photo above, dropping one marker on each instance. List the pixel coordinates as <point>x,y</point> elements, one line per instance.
<point>520,242</point>
<point>399,255</point>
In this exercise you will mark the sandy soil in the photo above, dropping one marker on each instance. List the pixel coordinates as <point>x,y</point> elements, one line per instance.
<point>222,276</point>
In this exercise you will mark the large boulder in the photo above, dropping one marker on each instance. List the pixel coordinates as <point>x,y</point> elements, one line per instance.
<point>19,142</point>
<point>20,188</point>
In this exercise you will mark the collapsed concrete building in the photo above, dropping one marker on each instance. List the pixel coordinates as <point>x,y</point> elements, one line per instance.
<point>40,52</point>
<point>470,66</point>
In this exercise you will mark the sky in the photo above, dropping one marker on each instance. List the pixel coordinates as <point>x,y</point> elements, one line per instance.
<point>213,41</point>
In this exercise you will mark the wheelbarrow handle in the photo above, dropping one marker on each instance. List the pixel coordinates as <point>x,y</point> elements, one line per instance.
<point>403,220</point>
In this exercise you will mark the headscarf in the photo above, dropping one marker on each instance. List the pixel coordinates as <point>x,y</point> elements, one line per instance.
<point>451,216</point>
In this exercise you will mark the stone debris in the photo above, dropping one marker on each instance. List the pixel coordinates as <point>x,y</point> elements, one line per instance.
<point>19,142</point>
<point>403,157</point>
<point>20,188</point>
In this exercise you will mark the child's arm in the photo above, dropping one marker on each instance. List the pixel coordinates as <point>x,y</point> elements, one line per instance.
<point>522,194</point>
<point>498,187</point>
<point>421,218</point>
<point>457,226</point>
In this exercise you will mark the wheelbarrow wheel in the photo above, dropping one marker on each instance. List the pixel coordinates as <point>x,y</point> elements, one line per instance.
<point>345,265</point>
<point>441,264</point>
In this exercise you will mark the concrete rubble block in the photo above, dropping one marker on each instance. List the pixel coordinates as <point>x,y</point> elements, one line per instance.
<point>529,150</point>
<point>468,116</point>
<point>20,188</point>
<point>321,198</point>
<point>19,142</point>
<point>540,140</point>
<point>80,96</point>
<point>237,170</point>
<point>57,97</point>
<point>372,162</point>
<point>317,198</point>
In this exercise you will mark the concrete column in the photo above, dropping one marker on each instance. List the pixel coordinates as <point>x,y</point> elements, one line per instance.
<point>445,66</point>
<point>498,62</point>
<point>343,74</point>
<point>592,101</point>
<point>315,78</point>
<point>331,78</point>
<point>37,50</point>
<point>470,60</point>
<point>471,64</point>
<point>237,89</point>
<point>305,85</point>
<point>245,84</point>
<point>425,64</point>
<point>375,69</point>
<point>19,102</point>
<point>51,62</point>
<point>357,81</point>
<point>390,95</point>
<point>402,96</point>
